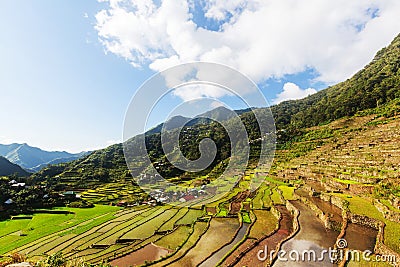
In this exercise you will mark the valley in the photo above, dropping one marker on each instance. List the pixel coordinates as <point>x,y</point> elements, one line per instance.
<point>334,183</point>
<point>300,191</point>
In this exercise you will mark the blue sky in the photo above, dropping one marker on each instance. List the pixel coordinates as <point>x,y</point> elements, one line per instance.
<point>58,88</point>
<point>68,69</point>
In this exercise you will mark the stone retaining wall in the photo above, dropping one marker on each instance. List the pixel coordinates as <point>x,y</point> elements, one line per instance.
<point>328,223</point>
<point>381,248</point>
<point>395,201</point>
<point>337,201</point>
<point>318,212</point>
<point>386,212</point>
<point>364,220</point>
<point>295,212</point>
<point>361,189</point>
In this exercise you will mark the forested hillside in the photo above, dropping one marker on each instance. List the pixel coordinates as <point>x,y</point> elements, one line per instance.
<point>8,168</point>
<point>374,85</point>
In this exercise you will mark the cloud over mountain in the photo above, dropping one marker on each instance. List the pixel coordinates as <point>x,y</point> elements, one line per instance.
<point>292,91</point>
<point>262,39</point>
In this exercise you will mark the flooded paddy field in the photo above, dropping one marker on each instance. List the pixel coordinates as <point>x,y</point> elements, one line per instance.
<point>311,236</point>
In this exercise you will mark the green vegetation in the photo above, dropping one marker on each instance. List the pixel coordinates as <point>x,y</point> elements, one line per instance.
<point>267,202</point>
<point>245,217</point>
<point>15,233</point>
<point>371,87</point>
<point>276,197</point>
<point>223,210</point>
<point>287,192</point>
<point>274,181</point>
<point>149,228</point>
<point>190,217</point>
<point>175,239</point>
<point>265,223</point>
<point>258,199</point>
<point>342,139</point>
<point>362,206</point>
<point>170,224</point>
<point>346,181</point>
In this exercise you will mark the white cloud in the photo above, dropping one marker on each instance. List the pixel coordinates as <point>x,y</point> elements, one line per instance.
<point>262,39</point>
<point>219,9</point>
<point>292,91</point>
<point>197,91</point>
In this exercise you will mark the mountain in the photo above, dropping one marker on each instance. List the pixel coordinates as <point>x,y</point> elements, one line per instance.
<point>374,87</point>
<point>8,168</point>
<point>376,84</point>
<point>172,123</point>
<point>59,160</point>
<point>33,158</point>
<point>217,114</point>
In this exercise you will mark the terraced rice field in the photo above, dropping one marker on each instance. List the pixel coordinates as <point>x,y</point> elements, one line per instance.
<point>111,193</point>
<point>124,232</point>
<point>185,236</point>
<point>150,252</point>
<point>264,225</point>
<point>312,236</point>
<point>220,232</point>
<point>216,257</point>
<point>231,230</point>
<point>198,230</point>
<point>271,241</point>
<point>45,226</point>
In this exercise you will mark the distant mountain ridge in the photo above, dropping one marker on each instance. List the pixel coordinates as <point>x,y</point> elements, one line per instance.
<point>8,168</point>
<point>32,158</point>
<point>217,114</point>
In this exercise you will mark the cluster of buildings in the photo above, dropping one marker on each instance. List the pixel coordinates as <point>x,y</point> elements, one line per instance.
<point>160,195</point>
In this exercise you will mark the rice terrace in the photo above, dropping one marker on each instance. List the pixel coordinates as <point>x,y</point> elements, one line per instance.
<point>330,195</point>
<point>241,222</point>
